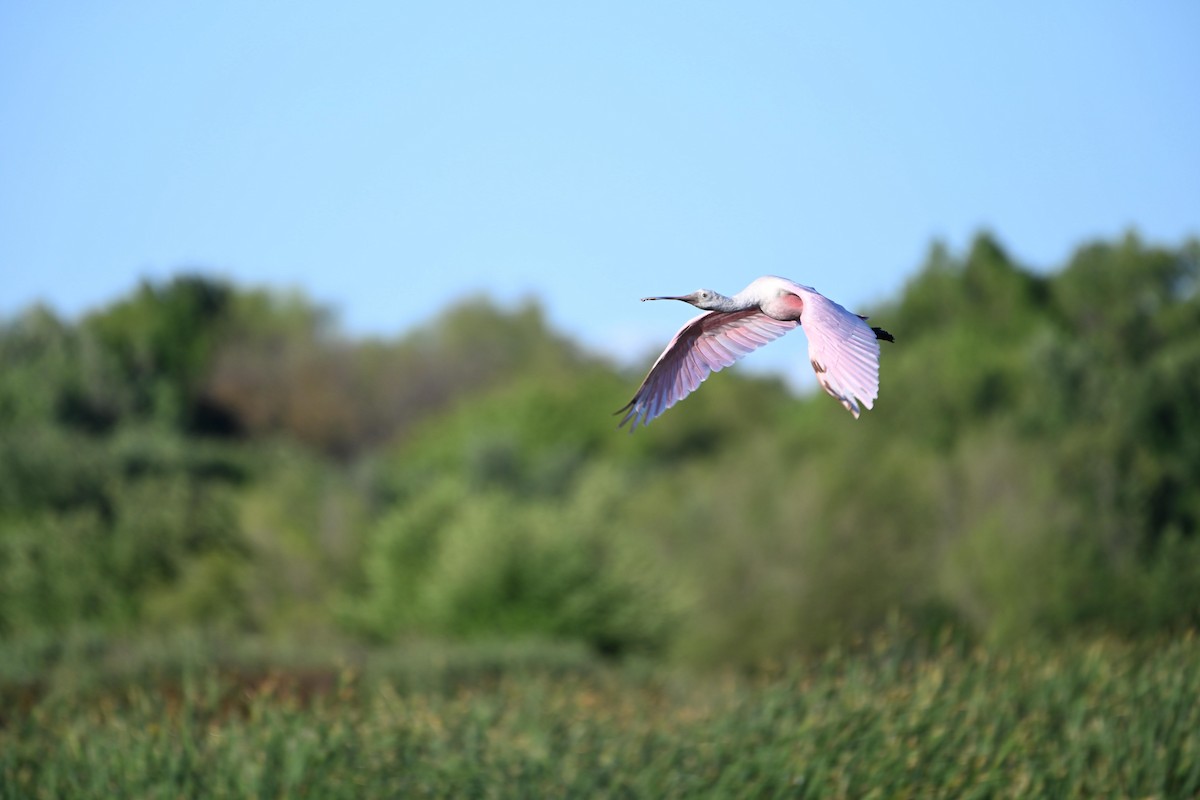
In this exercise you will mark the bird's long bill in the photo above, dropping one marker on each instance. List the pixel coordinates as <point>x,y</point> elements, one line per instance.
<point>680,297</point>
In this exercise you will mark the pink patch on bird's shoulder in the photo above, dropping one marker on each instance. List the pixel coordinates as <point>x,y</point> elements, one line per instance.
<point>786,306</point>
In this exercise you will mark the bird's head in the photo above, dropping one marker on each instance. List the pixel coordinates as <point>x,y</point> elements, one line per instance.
<point>706,299</point>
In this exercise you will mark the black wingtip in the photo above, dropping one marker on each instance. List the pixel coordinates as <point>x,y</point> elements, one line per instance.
<point>880,333</point>
<point>625,409</point>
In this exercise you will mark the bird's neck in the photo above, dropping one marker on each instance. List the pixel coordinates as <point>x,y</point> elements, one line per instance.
<point>735,303</point>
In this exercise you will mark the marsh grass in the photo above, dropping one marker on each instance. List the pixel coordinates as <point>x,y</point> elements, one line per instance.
<point>1087,719</point>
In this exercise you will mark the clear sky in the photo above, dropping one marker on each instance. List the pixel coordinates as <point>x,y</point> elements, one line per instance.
<point>389,157</point>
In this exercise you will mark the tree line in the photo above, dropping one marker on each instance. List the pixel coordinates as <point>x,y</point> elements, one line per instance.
<point>204,455</point>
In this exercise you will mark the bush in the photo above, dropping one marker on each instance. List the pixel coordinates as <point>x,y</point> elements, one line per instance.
<point>486,564</point>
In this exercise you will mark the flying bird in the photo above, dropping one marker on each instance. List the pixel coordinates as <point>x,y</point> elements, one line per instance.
<point>843,349</point>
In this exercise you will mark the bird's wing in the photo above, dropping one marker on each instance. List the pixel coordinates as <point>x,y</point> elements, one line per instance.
<point>843,350</point>
<point>705,344</point>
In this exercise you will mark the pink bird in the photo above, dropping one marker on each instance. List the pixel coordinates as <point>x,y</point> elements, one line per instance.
<point>842,348</point>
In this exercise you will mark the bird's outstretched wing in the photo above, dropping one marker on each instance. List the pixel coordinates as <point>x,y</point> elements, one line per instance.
<point>705,344</point>
<point>843,350</point>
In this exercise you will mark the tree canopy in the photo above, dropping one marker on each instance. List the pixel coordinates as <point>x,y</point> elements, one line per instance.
<point>203,454</point>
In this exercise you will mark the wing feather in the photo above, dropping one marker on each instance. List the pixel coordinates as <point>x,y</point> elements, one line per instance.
<point>843,350</point>
<point>704,345</point>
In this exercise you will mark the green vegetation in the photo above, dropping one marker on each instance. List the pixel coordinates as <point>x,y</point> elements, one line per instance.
<point>1105,719</point>
<point>202,460</point>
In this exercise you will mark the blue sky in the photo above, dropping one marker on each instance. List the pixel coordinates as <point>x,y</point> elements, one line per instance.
<point>388,158</point>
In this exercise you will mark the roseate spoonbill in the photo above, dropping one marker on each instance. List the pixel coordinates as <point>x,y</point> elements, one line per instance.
<point>842,348</point>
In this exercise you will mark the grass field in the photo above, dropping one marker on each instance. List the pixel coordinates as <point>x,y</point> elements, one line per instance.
<point>1090,719</point>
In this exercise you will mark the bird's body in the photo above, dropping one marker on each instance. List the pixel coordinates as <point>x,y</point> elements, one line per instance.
<point>842,348</point>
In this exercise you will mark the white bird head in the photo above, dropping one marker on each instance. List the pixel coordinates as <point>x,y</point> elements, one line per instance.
<point>706,299</point>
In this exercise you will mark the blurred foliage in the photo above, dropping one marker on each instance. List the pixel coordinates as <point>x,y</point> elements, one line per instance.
<point>487,563</point>
<point>198,454</point>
